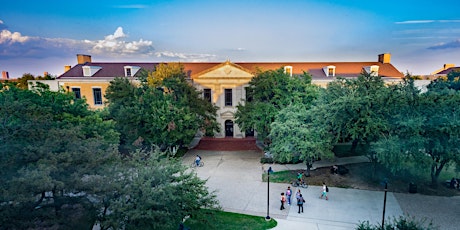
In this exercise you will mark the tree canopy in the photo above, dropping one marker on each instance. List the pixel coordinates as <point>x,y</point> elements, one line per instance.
<point>153,191</point>
<point>424,131</point>
<point>48,143</point>
<point>164,110</point>
<point>268,93</point>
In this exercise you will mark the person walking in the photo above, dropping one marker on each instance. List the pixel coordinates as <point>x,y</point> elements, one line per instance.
<point>288,195</point>
<point>297,194</point>
<point>283,199</point>
<point>300,202</point>
<point>325,191</point>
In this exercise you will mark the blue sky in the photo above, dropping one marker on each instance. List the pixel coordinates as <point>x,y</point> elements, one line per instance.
<point>38,36</point>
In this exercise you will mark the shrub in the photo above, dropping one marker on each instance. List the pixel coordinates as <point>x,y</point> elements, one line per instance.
<point>402,222</point>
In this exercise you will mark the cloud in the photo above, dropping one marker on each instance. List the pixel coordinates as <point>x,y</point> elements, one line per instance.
<point>185,57</point>
<point>449,45</point>
<point>114,44</point>
<point>426,21</point>
<point>15,45</point>
<point>7,37</point>
<point>415,22</point>
<point>2,25</point>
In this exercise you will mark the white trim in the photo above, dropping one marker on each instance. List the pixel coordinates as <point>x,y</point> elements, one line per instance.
<point>133,69</point>
<point>288,69</point>
<point>327,69</point>
<point>89,71</point>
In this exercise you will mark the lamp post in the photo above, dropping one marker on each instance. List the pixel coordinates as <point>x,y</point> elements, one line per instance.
<point>267,218</point>
<point>384,205</point>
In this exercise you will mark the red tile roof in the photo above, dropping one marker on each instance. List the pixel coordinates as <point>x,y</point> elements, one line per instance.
<point>343,69</point>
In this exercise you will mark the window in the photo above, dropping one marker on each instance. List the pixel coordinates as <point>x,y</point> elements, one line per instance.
<point>89,71</point>
<point>288,70</point>
<point>97,94</point>
<point>329,70</point>
<point>228,97</point>
<point>77,92</point>
<point>131,70</point>
<point>207,95</point>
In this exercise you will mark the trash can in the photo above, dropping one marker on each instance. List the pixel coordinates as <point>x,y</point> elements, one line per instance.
<point>412,188</point>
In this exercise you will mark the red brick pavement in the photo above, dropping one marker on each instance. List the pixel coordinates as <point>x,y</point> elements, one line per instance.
<point>227,144</point>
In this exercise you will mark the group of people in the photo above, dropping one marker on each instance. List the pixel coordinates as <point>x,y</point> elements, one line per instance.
<point>286,197</point>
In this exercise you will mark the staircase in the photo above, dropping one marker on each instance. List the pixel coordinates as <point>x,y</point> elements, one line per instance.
<point>227,144</point>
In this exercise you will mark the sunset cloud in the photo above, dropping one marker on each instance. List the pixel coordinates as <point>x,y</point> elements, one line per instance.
<point>448,45</point>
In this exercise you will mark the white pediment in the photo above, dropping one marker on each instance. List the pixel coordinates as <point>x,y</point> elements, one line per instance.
<point>225,70</point>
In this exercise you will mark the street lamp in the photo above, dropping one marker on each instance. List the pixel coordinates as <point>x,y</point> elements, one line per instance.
<point>384,205</point>
<point>268,193</point>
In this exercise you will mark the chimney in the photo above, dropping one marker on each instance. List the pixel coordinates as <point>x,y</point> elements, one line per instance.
<point>384,58</point>
<point>83,58</point>
<point>448,66</point>
<point>67,68</point>
<point>5,75</point>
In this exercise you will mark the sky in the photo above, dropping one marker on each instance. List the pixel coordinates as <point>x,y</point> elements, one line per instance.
<point>39,36</point>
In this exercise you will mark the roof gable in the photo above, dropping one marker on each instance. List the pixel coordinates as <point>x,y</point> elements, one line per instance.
<point>224,70</point>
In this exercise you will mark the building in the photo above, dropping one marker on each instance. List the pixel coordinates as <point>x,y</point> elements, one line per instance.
<point>223,84</point>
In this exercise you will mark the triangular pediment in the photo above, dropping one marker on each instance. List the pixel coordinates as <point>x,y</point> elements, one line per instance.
<point>224,70</point>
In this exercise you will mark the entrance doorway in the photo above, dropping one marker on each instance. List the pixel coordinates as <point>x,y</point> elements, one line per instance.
<point>228,128</point>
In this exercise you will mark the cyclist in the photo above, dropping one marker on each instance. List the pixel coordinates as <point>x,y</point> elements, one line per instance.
<point>299,178</point>
<point>197,160</point>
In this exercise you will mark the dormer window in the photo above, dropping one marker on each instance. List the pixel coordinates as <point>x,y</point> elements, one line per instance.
<point>89,71</point>
<point>373,70</point>
<point>288,70</point>
<point>329,71</point>
<point>131,70</point>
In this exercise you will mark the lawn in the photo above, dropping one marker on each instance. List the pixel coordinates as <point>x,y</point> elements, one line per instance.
<point>221,220</point>
<point>364,176</point>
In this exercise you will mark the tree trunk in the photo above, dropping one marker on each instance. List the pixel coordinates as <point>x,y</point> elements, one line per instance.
<point>354,145</point>
<point>435,171</point>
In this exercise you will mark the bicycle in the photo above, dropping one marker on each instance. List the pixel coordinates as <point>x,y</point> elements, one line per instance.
<point>193,165</point>
<point>302,184</point>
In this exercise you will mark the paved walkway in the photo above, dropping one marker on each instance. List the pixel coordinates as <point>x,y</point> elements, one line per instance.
<point>237,178</point>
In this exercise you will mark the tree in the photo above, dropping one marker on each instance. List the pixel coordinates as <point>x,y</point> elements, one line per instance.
<point>355,110</point>
<point>297,133</point>
<point>423,132</point>
<point>48,143</point>
<point>153,191</point>
<point>167,113</point>
<point>22,81</point>
<point>268,93</point>
<point>451,81</point>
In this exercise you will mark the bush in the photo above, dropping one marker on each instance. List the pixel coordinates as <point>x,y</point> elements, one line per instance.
<point>266,160</point>
<point>402,223</point>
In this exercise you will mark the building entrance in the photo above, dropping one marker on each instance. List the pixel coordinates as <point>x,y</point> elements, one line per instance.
<point>228,128</point>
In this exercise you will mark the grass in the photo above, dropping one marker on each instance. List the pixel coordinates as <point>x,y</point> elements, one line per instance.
<point>221,220</point>
<point>281,177</point>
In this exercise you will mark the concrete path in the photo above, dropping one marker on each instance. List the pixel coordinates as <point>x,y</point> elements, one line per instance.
<point>237,178</point>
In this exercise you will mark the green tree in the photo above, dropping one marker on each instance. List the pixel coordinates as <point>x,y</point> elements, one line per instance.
<point>22,81</point>
<point>268,93</point>
<point>424,132</point>
<point>154,192</point>
<point>355,110</point>
<point>48,142</point>
<point>298,134</point>
<point>167,114</point>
